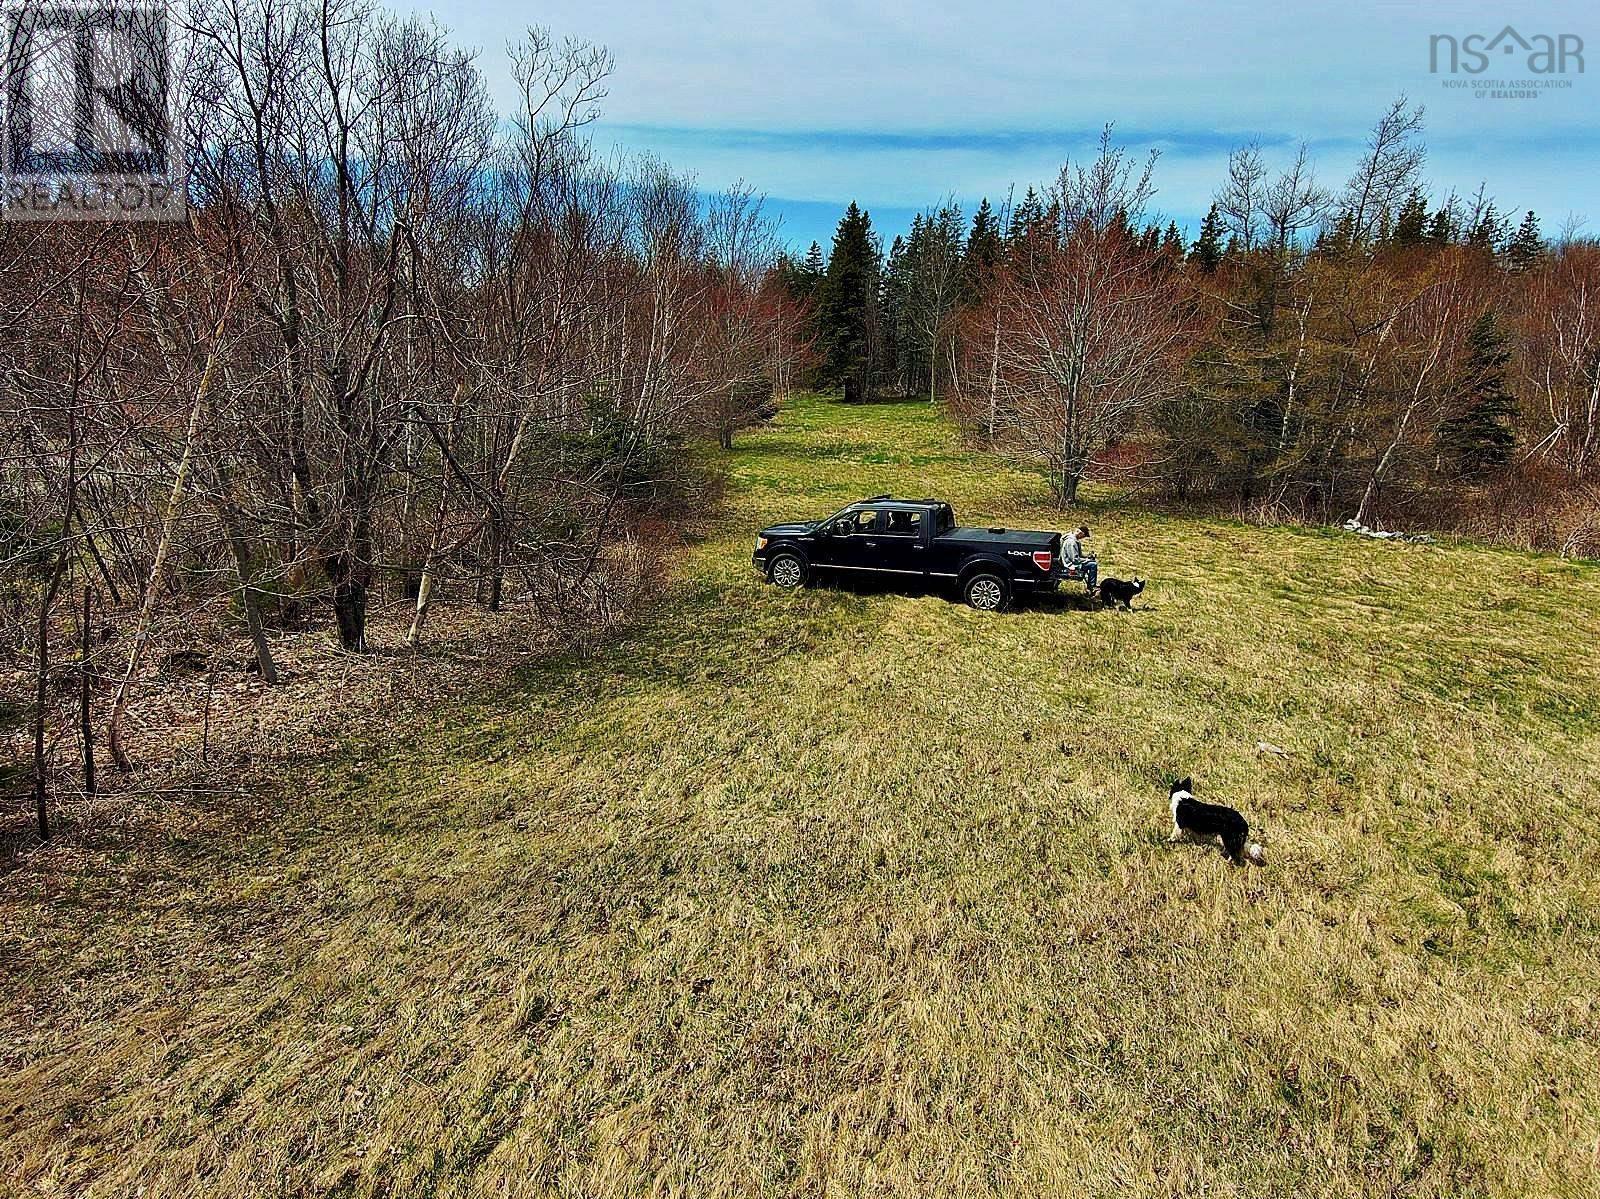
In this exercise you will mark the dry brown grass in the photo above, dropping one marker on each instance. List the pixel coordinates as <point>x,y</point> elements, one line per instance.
<point>866,894</point>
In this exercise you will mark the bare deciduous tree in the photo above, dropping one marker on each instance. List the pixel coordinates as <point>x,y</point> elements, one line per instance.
<point>1387,172</point>
<point>1560,360</point>
<point>1095,329</point>
<point>1241,202</point>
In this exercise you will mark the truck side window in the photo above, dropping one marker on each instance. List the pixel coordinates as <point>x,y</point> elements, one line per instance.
<point>904,524</point>
<point>857,522</point>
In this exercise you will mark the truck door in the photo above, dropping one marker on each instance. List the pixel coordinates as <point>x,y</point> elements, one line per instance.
<point>903,542</point>
<point>852,543</point>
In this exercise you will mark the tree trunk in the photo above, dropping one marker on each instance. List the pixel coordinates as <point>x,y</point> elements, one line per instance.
<point>497,571</point>
<point>85,693</point>
<point>350,569</point>
<point>350,575</point>
<point>436,537</point>
<point>252,609</point>
<point>141,634</point>
<point>424,597</point>
<point>41,768</point>
<point>994,377</point>
<point>1071,472</point>
<point>100,564</point>
<point>1381,467</point>
<point>243,572</point>
<point>1591,427</point>
<point>41,774</point>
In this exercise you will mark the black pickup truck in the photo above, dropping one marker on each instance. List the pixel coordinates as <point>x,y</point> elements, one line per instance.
<point>913,542</point>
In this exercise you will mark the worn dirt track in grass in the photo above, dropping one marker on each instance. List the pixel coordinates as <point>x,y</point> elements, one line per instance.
<point>841,893</point>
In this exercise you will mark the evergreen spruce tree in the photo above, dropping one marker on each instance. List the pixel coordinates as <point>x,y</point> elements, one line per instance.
<point>1441,229</point>
<point>787,272</point>
<point>1477,436</point>
<point>1526,245</point>
<point>892,319</point>
<point>1049,222</point>
<point>801,281</point>
<point>983,252</point>
<point>813,269</point>
<point>1207,251</point>
<point>1411,229</point>
<point>1385,227</point>
<point>847,304</point>
<point>1025,217</point>
<point>934,286</point>
<point>1172,242</point>
<point>1339,240</point>
<point>1488,232</point>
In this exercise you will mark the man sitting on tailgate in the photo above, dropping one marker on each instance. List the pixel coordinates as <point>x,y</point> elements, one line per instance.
<point>1079,563</point>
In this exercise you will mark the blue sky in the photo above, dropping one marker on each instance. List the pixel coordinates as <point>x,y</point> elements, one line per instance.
<point>898,105</point>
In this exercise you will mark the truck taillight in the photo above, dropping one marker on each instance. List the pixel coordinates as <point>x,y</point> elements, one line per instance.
<point>1041,559</point>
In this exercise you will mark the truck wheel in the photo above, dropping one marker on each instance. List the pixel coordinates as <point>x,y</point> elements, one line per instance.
<point>787,571</point>
<point>986,592</point>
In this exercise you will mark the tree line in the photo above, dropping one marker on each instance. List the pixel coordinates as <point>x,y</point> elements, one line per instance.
<point>1364,351</point>
<point>401,340</point>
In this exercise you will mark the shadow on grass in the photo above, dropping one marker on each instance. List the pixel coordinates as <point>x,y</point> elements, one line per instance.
<point>1069,599</point>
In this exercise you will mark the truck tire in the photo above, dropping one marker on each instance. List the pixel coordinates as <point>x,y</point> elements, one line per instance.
<point>986,591</point>
<point>787,571</point>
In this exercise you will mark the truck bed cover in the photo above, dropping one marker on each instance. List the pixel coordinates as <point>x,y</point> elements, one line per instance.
<point>1030,538</point>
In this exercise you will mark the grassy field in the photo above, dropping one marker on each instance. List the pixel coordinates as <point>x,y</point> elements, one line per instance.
<point>839,894</point>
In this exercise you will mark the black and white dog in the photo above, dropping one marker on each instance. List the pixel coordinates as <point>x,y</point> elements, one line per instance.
<point>1208,822</point>
<point>1116,591</point>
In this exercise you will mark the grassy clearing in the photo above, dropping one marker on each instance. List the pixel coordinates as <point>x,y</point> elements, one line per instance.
<point>863,894</point>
